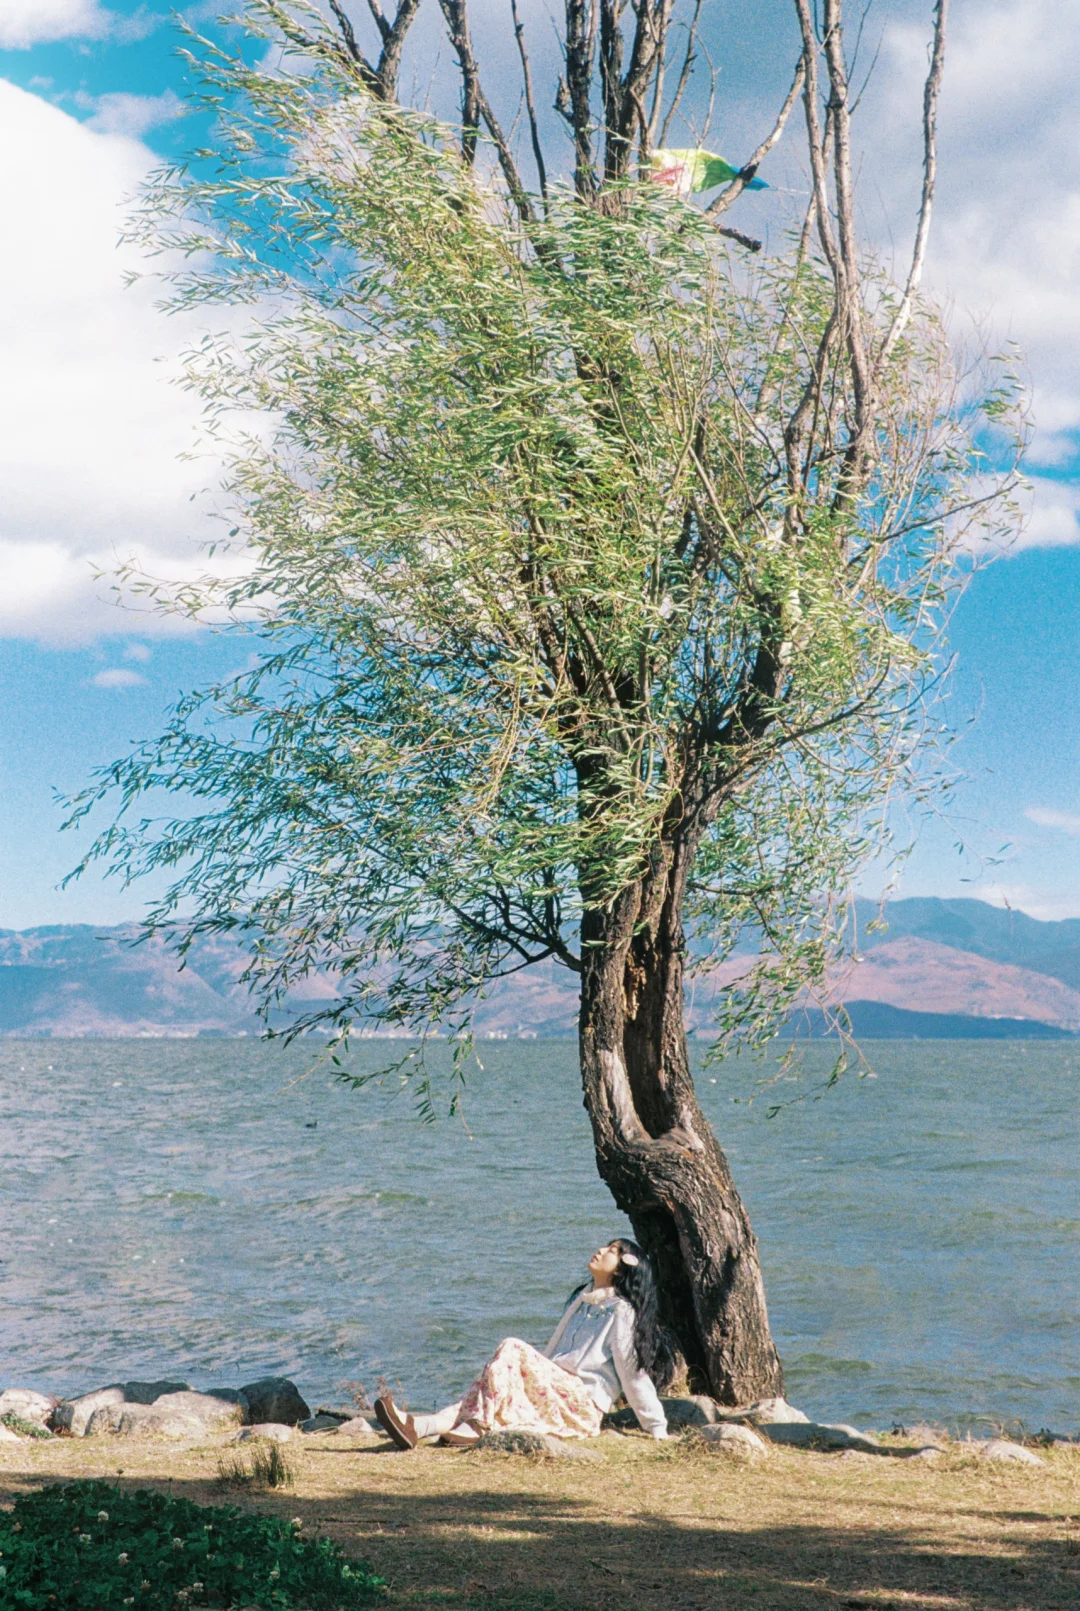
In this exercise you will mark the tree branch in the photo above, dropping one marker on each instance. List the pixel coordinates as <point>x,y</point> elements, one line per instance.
<point>735,189</point>
<point>394,42</point>
<point>579,58</point>
<point>684,78</point>
<point>475,105</point>
<point>851,310</point>
<point>457,21</point>
<point>918,256</point>
<point>530,105</point>
<point>376,11</point>
<point>382,78</point>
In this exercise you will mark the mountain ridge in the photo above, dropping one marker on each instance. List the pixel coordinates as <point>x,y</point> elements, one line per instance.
<point>935,966</point>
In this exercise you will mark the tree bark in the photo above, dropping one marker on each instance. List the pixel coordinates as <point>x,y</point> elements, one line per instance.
<point>654,1148</point>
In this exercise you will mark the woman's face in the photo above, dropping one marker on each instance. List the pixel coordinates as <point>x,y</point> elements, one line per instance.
<point>604,1263</point>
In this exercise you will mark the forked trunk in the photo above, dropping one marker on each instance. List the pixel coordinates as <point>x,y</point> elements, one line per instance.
<point>656,1151</point>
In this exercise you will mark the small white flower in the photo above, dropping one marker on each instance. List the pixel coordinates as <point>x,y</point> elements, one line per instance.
<point>178,1543</point>
<point>130,1600</point>
<point>103,1515</point>
<point>196,1588</point>
<point>122,1559</point>
<point>84,1538</point>
<point>275,1574</point>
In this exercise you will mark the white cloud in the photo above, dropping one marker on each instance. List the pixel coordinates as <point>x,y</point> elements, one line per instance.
<point>1054,521</point>
<point>1067,821</point>
<point>139,652</point>
<point>31,22</point>
<point>118,113</point>
<point>1005,245</point>
<point>90,428</point>
<point>36,22</point>
<point>117,677</point>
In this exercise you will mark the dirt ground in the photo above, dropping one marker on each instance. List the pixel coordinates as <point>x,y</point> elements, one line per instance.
<point>641,1526</point>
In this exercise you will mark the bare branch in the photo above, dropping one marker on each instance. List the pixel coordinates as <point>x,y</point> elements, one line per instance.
<point>390,60</point>
<point>742,179</point>
<point>748,241</point>
<point>382,78</point>
<point>457,21</point>
<point>918,256</point>
<point>579,59</point>
<point>476,106</point>
<point>626,109</point>
<point>684,78</point>
<point>376,11</point>
<point>851,310</point>
<point>530,105</point>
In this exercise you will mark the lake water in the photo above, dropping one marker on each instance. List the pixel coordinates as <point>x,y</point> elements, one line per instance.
<point>202,1209</point>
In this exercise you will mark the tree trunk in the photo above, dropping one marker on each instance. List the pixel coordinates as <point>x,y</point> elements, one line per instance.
<point>654,1148</point>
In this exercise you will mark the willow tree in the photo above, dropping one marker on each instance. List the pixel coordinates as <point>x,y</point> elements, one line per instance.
<point>594,561</point>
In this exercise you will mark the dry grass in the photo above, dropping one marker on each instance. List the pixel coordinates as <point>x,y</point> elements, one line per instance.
<point>646,1527</point>
<point>259,1465</point>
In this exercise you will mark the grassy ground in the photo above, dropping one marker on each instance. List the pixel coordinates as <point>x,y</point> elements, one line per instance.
<point>647,1527</point>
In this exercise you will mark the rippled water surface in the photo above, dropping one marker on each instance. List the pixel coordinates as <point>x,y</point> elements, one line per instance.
<point>200,1208</point>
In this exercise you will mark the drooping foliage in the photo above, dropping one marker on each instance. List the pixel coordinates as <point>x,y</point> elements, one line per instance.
<point>552,526</point>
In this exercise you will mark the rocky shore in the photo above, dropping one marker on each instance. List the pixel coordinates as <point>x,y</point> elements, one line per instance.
<point>273,1408</point>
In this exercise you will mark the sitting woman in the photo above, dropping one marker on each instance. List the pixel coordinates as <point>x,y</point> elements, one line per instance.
<point>608,1342</point>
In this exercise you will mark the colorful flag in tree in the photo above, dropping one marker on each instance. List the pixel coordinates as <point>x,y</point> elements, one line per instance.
<point>688,172</point>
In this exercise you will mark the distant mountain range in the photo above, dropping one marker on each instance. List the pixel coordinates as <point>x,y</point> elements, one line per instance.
<point>933,969</point>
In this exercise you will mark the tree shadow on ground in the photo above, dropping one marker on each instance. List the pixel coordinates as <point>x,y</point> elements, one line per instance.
<point>489,1549</point>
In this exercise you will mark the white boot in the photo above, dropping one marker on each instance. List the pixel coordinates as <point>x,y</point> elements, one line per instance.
<point>433,1426</point>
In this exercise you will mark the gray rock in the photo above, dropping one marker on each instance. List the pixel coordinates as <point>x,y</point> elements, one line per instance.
<point>173,1415</point>
<point>732,1438</point>
<point>265,1429</point>
<point>274,1398</point>
<point>767,1412</point>
<point>819,1435</point>
<point>143,1420</point>
<point>30,1406</point>
<point>73,1414</point>
<point>150,1392</point>
<point>7,1435</point>
<point>1001,1449</point>
<point>512,1441</point>
<point>321,1422</point>
<point>206,1408</point>
<point>695,1410</point>
<point>358,1427</point>
<point>925,1436</point>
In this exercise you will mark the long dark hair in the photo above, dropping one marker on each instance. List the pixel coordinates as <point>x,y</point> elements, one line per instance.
<point>653,1343</point>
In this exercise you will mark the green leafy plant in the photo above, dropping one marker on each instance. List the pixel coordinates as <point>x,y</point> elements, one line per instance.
<point>87,1546</point>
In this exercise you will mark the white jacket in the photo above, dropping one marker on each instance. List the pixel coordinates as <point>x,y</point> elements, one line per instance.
<point>595,1340</point>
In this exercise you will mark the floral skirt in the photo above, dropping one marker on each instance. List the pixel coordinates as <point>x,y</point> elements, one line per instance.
<point>521,1388</point>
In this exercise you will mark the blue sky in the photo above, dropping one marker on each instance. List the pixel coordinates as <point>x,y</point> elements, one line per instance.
<point>91,430</point>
